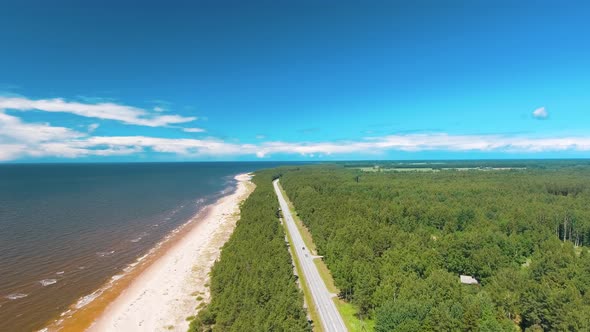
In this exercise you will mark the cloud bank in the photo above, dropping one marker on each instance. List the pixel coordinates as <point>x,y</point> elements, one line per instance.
<point>20,139</point>
<point>105,111</point>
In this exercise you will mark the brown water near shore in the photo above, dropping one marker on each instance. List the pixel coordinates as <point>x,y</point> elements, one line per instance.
<point>40,281</point>
<point>79,319</point>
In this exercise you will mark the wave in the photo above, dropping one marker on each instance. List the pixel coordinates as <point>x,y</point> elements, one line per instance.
<point>59,273</point>
<point>105,253</point>
<point>85,300</point>
<point>16,296</point>
<point>47,282</point>
<point>139,237</point>
<point>116,277</point>
<point>139,259</point>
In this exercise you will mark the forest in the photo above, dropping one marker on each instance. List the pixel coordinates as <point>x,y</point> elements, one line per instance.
<point>397,242</point>
<point>252,285</point>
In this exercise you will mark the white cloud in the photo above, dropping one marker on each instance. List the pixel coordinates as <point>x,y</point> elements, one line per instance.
<point>540,113</point>
<point>10,151</point>
<point>260,136</point>
<point>18,139</point>
<point>187,147</point>
<point>414,142</point>
<point>93,127</point>
<point>13,129</point>
<point>194,130</point>
<point>159,109</point>
<point>105,111</point>
<point>428,142</point>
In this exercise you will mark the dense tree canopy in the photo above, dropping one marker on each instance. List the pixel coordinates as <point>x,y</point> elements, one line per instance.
<point>396,243</point>
<point>252,285</point>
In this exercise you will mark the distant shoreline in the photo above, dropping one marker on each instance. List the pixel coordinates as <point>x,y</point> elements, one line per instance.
<point>157,291</point>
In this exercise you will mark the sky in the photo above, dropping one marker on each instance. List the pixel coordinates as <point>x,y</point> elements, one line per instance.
<point>93,81</point>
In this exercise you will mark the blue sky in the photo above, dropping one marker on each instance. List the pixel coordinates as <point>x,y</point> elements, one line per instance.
<point>293,80</point>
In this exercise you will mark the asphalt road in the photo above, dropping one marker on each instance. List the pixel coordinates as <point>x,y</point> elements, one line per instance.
<point>322,298</point>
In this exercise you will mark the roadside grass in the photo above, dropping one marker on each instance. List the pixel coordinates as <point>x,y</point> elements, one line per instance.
<point>348,311</point>
<point>326,275</point>
<point>311,307</point>
<point>578,250</point>
<point>351,320</point>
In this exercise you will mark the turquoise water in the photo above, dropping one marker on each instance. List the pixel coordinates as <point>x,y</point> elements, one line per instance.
<point>66,229</point>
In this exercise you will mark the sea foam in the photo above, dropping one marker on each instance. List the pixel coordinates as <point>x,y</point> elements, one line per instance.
<point>47,282</point>
<point>85,300</point>
<point>16,296</point>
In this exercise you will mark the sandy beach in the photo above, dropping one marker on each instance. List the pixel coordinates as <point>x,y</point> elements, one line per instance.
<point>171,288</point>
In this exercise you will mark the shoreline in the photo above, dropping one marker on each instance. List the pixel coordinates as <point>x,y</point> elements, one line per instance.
<point>162,288</point>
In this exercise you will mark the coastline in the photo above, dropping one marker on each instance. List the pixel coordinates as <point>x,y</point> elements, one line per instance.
<point>165,286</point>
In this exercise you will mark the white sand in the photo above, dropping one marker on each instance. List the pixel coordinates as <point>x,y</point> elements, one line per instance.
<point>165,294</point>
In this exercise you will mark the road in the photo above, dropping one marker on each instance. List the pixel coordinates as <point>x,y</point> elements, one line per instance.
<point>330,317</point>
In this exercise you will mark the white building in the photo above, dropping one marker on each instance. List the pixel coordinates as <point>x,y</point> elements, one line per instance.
<point>468,280</point>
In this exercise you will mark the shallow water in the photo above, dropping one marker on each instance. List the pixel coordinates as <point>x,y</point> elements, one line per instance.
<point>67,229</point>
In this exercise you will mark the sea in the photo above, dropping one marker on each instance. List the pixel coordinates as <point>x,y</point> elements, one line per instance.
<point>68,229</point>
